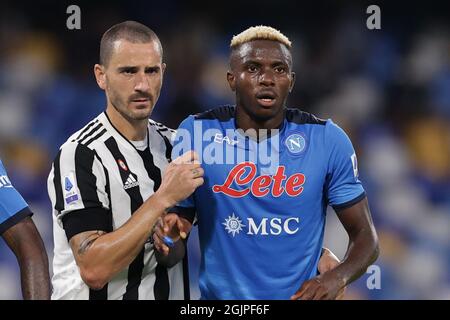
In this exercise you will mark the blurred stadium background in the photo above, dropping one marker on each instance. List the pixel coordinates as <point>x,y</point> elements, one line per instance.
<point>389,89</point>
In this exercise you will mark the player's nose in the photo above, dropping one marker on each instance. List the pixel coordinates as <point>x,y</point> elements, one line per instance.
<point>267,78</point>
<point>142,82</point>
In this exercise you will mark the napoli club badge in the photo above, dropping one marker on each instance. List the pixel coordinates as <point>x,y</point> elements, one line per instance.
<point>296,143</point>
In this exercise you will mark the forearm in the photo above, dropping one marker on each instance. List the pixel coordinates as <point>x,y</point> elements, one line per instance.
<point>110,253</point>
<point>26,243</point>
<point>362,252</point>
<point>35,278</point>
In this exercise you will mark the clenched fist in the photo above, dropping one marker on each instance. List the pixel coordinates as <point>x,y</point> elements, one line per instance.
<point>181,178</point>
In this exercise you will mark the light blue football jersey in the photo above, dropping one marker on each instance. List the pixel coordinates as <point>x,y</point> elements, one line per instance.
<point>13,207</point>
<point>261,211</point>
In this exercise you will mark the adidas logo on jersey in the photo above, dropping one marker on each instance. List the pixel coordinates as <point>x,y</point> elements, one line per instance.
<point>131,182</point>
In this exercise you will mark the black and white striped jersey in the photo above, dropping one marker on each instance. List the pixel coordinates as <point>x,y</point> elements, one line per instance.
<point>98,180</point>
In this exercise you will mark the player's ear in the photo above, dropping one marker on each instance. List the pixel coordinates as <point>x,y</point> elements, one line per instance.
<point>292,81</point>
<point>100,75</point>
<point>231,80</point>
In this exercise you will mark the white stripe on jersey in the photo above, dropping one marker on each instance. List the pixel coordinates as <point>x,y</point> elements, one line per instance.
<point>98,168</point>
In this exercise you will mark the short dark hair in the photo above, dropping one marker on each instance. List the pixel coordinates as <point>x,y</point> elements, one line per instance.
<point>131,31</point>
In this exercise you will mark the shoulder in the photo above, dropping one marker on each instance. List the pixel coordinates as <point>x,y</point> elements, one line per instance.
<point>301,117</point>
<point>336,139</point>
<point>82,141</point>
<point>334,132</point>
<point>223,113</point>
<point>162,130</point>
<point>88,133</point>
<point>159,126</point>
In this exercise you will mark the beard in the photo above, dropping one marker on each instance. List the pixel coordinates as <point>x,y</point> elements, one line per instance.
<point>121,106</point>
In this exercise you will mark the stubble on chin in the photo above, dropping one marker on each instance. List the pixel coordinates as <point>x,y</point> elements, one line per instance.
<point>134,116</point>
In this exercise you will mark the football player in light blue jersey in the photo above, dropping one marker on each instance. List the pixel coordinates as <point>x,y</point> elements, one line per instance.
<point>270,173</point>
<point>21,235</point>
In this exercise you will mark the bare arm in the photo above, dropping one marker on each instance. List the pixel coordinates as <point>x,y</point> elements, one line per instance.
<point>362,251</point>
<point>101,255</point>
<point>26,243</point>
<point>363,247</point>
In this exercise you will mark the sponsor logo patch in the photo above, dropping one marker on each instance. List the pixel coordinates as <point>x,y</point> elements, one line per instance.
<point>70,190</point>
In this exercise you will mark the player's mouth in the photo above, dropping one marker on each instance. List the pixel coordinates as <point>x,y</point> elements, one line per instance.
<point>266,98</point>
<point>141,102</point>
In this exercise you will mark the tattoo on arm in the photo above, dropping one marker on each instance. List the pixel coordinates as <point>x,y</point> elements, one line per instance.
<point>87,243</point>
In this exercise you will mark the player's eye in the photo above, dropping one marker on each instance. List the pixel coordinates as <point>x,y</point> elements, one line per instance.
<point>153,70</point>
<point>252,68</point>
<point>128,71</point>
<point>280,69</point>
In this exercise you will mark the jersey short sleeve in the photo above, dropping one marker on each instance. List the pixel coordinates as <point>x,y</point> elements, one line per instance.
<point>344,187</point>
<point>78,189</point>
<point>13,207</point>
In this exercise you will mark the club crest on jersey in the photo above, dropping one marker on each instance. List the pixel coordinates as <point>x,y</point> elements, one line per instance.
<point>122,164</point>
<point>295,143</point>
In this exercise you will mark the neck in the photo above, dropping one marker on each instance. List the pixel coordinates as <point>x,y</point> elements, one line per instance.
<point>245,121</point>
<point>133,130</point>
